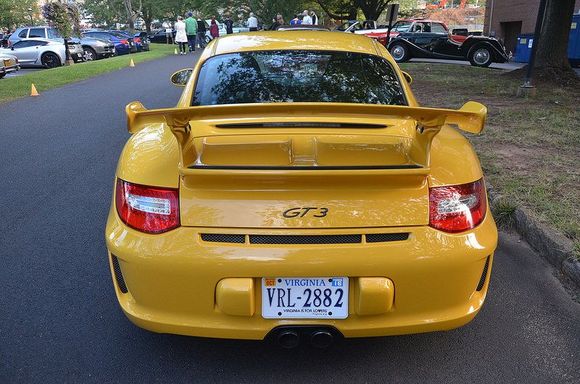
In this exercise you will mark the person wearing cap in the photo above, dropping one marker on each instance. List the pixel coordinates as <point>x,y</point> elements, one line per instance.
<point>191,31</point>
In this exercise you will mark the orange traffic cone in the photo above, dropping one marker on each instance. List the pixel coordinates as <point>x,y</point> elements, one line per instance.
<point>131,63</point>
<point>175,51</point>
<point>33,91</point>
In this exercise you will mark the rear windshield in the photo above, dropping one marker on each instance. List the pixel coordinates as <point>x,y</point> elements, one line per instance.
<point>297,76</point>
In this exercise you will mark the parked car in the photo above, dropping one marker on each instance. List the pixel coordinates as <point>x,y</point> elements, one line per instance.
<point>37,53</point>
<point>424,39</point>
<point>160,37</point>
<point>369,28</point>
<point>136,45</point>
<point>427,26</point>
<point>48,33</point>
<point>323,201</point>
<point>145,43</point>
<point>240,28</point>
<point>96,49</point>
<point>8,63</point>
<point>37,32</point>
<point>122,45</point>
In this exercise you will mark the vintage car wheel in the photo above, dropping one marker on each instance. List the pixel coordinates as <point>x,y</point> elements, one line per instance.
<point>480,56</point>
<point>50,60</point>
<point>90,54</point>
<point>400,53</point>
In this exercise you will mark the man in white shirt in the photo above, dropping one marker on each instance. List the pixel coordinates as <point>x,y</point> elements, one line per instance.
<point>252,22</point>
<point>306,20</point>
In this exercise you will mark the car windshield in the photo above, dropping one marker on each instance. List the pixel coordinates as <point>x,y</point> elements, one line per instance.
<point>402,26</point>
<point>344,26</point>
<point>297,76</point>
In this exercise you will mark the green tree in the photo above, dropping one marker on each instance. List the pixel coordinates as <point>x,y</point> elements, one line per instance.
<point>14,13</point>
<point>65,18</point>
<point>105,12</point>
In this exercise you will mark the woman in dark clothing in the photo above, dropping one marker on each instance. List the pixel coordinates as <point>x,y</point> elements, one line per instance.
<point>229,25</point>
<point>201,32</point>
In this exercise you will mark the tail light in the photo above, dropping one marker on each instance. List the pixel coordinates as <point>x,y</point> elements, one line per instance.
<point>126,42</point>
<point>137,40</point>
<point>457,208</point>
<point>147,209</point>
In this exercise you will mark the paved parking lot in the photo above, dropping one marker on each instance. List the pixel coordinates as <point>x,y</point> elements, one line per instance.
<point>59,320</point>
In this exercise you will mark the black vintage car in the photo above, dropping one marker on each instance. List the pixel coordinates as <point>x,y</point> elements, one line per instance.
<point>418,39</point>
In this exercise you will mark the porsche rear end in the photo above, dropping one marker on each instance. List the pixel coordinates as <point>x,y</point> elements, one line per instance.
<point>296,219</point>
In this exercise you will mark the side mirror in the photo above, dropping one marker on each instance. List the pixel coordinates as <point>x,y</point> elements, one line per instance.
<point>181,77</point>
<point>407,77</point>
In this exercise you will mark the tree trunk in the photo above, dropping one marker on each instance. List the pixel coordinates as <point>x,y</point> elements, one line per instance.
<point>553,44</point>
<point>372,8</point>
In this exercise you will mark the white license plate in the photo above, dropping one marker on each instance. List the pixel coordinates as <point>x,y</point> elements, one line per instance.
<point>305,297</point>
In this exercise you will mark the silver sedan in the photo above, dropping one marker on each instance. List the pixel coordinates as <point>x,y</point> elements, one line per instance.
<point>38,53</point>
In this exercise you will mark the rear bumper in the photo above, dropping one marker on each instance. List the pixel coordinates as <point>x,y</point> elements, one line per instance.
<point>172,278</point>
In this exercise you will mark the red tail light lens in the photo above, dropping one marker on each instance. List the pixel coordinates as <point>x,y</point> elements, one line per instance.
<point>147,209</point>
<point>126,42</point>
<point>137,40</point>
<point>457,208</point>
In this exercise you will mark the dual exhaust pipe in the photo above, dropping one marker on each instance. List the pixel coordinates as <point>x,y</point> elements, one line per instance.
<point>292,337</point>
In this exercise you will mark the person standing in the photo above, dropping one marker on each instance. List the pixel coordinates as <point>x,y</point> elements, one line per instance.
<point>229,25</point>
<point>191,31</point>
<point>201,33</point>
<point>314,18</point>
<point>277,22</point>
<point>180,35</point>
<point>214,29</point>
<point>296,20</point>
<point>306,19</point>
<point>252,22</point>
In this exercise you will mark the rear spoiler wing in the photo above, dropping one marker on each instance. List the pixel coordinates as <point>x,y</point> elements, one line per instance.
<point>469,118</point>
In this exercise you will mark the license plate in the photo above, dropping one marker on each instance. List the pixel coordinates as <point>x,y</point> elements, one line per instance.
<point>305,297</point>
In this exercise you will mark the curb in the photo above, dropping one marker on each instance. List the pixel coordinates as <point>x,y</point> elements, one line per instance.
<point>555,248</point>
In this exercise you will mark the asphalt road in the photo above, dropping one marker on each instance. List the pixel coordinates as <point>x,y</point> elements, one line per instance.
<point>59,320</point>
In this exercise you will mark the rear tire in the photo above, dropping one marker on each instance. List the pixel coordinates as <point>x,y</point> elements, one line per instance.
<point>2,74</point>
<point>480,56</point>
<point>90,54</point>
<point>50,60</point>
<point>400,52</point>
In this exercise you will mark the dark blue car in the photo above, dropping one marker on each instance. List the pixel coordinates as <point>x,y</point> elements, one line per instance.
<point>137,44</point>
<point>123,44</point>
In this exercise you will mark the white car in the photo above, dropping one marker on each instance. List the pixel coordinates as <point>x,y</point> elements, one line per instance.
<point>8,63</point>
<point>37,53</point>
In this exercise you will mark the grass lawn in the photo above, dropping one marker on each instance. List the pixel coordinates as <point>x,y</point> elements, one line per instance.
<point>19,86</point>
<point>530,148</point>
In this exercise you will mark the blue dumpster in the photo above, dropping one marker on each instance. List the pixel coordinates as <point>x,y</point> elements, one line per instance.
<point>524,48</point>
<point>574,41</point>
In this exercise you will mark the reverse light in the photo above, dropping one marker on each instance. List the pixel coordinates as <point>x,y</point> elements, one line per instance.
<point>457,208</point>
<point>147,209</point>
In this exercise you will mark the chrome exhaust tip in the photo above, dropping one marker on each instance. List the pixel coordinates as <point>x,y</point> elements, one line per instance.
<point>288,339</point>
<point>321,339</point>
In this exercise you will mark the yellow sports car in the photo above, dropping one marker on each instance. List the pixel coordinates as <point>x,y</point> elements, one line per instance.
<point>299,193</point>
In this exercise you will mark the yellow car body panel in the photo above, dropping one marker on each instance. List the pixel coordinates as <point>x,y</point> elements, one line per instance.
<point>179,283</point>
